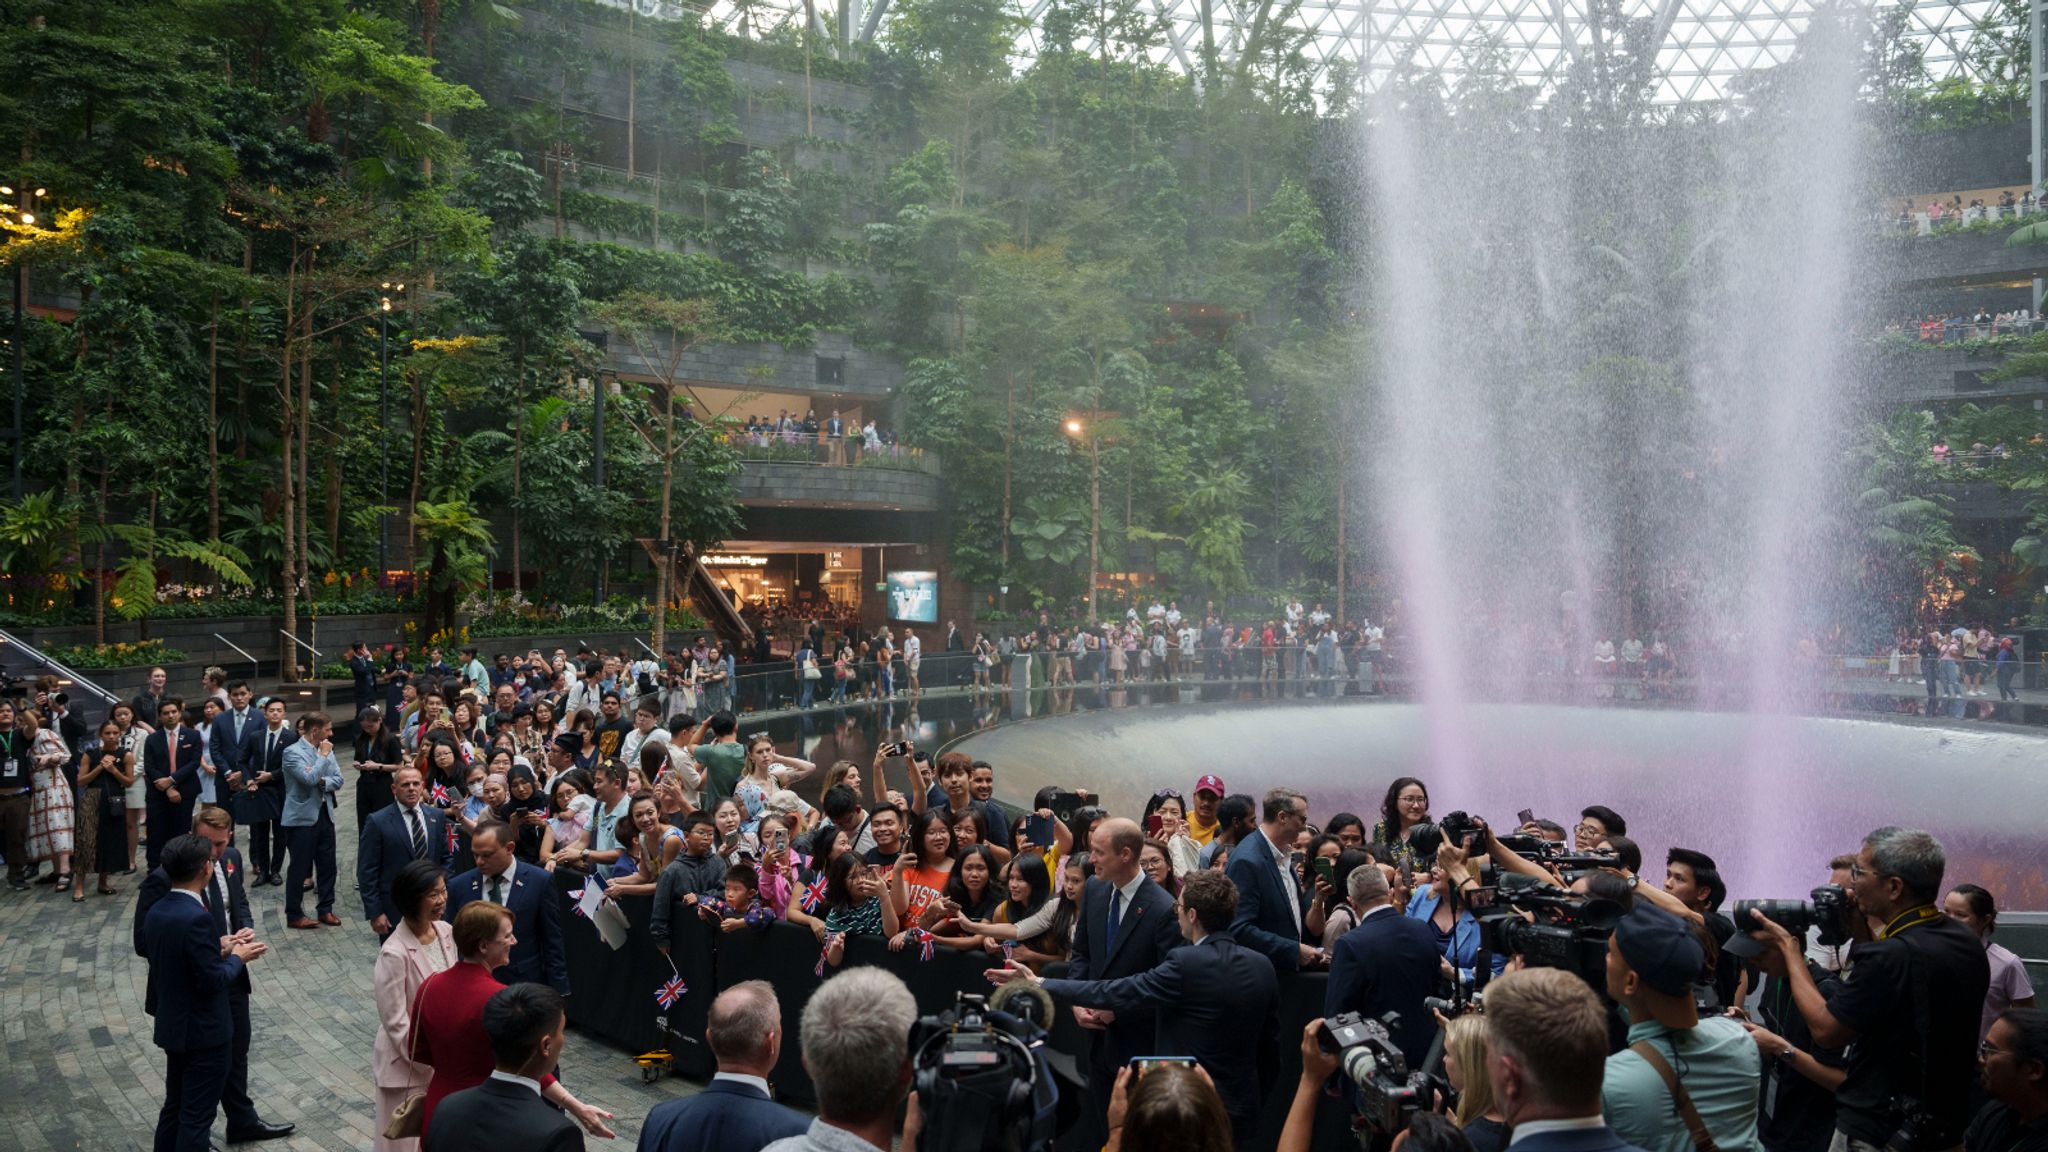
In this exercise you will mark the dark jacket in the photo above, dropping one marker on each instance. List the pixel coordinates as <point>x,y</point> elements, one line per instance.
<point>267,802</point>
<point>1209,998</point>
<point>1601,1139</point>
<point>500,1116</point>
<point>726,1116</point>
<point>227,920</point>
<point>1388,963</point>
<point>537,957</point>
<point>185,961</point>
<point>1264,923</point>
<point>386,846</point>
<point>1146,933</point>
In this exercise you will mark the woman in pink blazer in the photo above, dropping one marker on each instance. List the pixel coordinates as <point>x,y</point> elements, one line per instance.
<point>419,946</point>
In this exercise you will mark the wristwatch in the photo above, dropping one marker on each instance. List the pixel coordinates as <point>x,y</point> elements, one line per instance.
<point>1785,1057</point>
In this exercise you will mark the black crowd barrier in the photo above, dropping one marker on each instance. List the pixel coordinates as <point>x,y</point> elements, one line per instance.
<point>613,996</point>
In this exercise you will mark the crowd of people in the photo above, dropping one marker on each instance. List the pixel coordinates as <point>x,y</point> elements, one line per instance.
<point>842,441</point>
<point>1957,327</point>
<point>1956,663</point>
<point>1939,212</point>
<point>1172,931</point>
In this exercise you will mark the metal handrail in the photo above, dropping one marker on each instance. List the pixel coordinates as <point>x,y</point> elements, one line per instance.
<point>645,648</point>
<point>63,670</point>
<point>317,654</point>
<point>255,665</point>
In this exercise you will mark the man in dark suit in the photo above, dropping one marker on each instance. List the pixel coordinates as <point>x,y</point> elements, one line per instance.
<point>260,794</point>
<point>506,1113</point>
<point>503,878</point>
<point>1208,998</point>
<point>1389,963</point>
<point>227,902</point>
<point>1126,927</point>
<point>1269,902</point>
<point>733,1113</point>
<point>224,747</point>
<point>406,830</point>
<point>170,768</point>
<point>191,968</point>
<point>1546,1052</point>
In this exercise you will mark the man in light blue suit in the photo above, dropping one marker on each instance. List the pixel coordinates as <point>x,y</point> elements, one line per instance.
<point>311,778</point>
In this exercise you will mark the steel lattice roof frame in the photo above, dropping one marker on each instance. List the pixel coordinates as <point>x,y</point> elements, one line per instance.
<point>1705,46</point>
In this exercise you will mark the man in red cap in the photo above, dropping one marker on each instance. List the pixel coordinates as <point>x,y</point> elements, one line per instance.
<point>1202,821</point>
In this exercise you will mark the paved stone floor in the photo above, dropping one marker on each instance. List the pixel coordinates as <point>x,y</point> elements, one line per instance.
<point>80,1071</point>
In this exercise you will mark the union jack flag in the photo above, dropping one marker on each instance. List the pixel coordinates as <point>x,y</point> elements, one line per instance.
<point>819,971</point>
<point>1010,951</point>
<point>438,795</point>
<point>924,943</point>
<point>671,990</point>
<point>812,898</point>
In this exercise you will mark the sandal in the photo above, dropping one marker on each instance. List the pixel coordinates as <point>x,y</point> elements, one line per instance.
<point>62,881</point>
<point>78,897</point>
<point>106,889</point>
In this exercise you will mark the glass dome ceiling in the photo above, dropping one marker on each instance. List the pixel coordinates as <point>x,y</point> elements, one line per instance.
<point>1705,46</point>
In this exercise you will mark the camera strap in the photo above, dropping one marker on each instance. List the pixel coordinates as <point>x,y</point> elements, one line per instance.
<point>1701,1141</point>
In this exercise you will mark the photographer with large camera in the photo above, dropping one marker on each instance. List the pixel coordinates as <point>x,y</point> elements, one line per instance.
<point>1911,1002</point>
<point>1677,1066</point>
<point>1800,1076</point>
<point>1216,1000</point>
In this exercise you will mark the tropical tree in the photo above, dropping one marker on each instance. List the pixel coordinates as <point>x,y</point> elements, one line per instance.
<point>456,545</point>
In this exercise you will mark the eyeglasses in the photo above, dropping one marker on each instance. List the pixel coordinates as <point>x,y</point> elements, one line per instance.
<point>1414,801</point>
<point>1987,1050</point>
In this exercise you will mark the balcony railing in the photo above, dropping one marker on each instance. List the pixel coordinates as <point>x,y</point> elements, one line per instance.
<point>797,448</point>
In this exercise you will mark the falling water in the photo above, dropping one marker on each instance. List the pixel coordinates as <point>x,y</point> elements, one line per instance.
<point>1609,365</point>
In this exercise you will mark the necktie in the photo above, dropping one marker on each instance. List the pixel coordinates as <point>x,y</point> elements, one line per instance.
<point>269,748</point>
<point>216,903</point>
<point>1116,899</point>
<point>419,834</point>
<point>497,889</point>
<point>240,718</point>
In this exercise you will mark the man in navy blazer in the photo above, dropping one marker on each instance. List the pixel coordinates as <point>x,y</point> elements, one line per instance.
<point>192,968</point>
<point>405,830</point>
<point>1546,1054</point>
<point>1389,963</point>
<point>260,797</point>
<point>224,743</point>
<point>227,901</point>
<point>733,1113</point>
<point>1209,996</point>
<point>1269,903</point>
<point>503,878</point>
<point>170,768</point>
<point>1126,927</point>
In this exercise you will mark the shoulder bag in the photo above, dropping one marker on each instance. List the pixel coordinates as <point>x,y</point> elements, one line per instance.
<point>1701,1141</point>
<point>411,1113</point>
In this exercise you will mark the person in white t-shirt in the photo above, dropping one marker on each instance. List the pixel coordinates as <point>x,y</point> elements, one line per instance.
<point>913,652</point>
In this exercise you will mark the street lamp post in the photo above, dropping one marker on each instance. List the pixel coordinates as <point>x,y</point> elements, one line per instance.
<point>384,426</point>
<point>1076,428</point>
<point>597,391</point>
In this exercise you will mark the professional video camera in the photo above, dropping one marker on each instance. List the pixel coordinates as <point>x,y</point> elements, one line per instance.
<point>1569,931</point>
<point>1557,855</point>
<point>986,1081</point>
<point>1387,1091</point>
<point>1828,910</point>
<point>1458,827</point>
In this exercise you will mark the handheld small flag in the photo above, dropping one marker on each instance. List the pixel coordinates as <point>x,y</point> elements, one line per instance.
<point>671,990</point>
<point>924,943</point>
<point>811,900</point>
<point>820,969</point>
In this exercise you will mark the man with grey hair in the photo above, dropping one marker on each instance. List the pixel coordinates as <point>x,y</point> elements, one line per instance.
<point>734,1112</point>
<point>856,1046</point>
<point>1911,1004</point>
<point>1388,963</point>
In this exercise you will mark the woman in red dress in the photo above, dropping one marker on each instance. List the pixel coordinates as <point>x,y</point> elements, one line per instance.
<point>448,1017</point>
